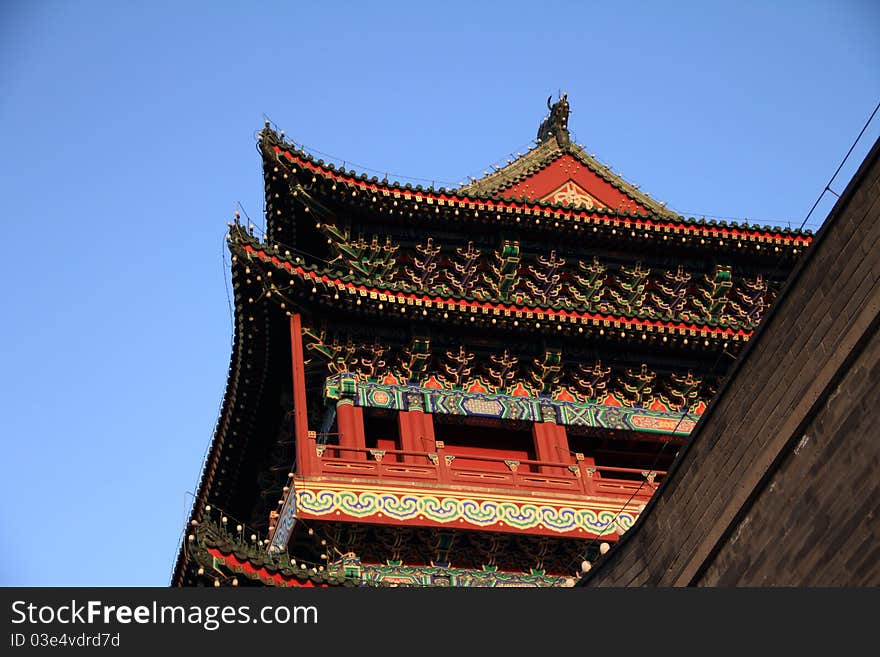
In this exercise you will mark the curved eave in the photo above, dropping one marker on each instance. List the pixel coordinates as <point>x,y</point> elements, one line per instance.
<point>212,548</point>
<point>426,203</point>
<point>310,283</point>
<point>241,396</point>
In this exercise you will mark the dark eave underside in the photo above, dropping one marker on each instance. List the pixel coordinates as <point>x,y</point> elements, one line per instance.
<point>229,448</point>
<point>343,290</point>
<point>284,154</point>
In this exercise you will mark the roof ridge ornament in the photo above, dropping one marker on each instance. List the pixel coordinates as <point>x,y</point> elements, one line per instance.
<point>556,123</point>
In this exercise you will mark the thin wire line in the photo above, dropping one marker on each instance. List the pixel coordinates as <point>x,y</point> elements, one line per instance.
<point>223,249</point>
<point>498,165</point>
<point>527,146</point>
<point>845,157</point>
<point>827,188</point>
<point>207,450</point>
<point>614,520</point>
<point>692,213</point>
<point>199,476</point>
<point>364,168</point>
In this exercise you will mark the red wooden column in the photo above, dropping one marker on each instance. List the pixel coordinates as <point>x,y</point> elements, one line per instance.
<point>306,459</point>
<point>350,422</point>
<point>408,428</point>
<point>359,435</point>
<point>416,429</point>
<point>428,439</point>
<point>563,452</point>
<point>587,466</point>
<point>551,441</point>
<point>544,445</point>
<point>443,464</point>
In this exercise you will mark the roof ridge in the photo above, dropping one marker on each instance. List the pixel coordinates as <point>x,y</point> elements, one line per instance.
<point>470,193</point>
<point>630,189</point>
<point>543,154</point>
<point>494,183</point>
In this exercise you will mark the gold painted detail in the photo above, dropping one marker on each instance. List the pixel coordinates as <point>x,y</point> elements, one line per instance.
<point>317,499</point>
<point>570,193</point>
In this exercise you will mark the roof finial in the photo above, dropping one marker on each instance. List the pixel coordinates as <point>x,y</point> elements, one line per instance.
<point>556,123</point>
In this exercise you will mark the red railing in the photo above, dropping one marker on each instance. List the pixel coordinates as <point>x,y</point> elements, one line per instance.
<point>577,477</point>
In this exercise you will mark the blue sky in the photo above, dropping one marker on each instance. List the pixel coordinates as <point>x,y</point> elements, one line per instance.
<point>128,134</point>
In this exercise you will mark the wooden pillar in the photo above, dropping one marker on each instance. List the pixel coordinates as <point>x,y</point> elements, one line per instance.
<point>350,423</point>
<point>306,459</point>
<point>428,440</point>
<point>587,466</point>
<point>551,441</point>
<point>410,430</point>
<point>545,445</point>
<point>359,435</point>
<point>443,464</point>
<point>416,429</point>
<point>416,434</point>
<point>563,453</point>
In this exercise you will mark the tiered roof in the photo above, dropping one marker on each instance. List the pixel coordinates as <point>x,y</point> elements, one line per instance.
<point>557,199</point>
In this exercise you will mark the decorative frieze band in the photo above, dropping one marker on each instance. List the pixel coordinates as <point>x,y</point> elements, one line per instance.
<point>365,502</point>
<point>507,407</point>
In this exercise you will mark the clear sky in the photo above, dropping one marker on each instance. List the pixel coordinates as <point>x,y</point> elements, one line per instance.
<point>128,137</point>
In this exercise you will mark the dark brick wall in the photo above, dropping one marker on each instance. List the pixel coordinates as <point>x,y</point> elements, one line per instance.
<point>817,521</point>
<point>780,484</point>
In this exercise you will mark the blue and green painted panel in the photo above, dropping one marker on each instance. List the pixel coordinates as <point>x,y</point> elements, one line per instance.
<point>370,394</point>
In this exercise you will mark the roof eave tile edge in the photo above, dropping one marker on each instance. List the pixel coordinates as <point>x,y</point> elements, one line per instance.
<point>539,158</point>
<point>218,440</point>
<point>619,182</point>
<point>532,161</point>
<point>329,278</point>
<point>664,214</point>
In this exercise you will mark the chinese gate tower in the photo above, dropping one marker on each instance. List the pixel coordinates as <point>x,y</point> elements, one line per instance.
<point>465,387</point>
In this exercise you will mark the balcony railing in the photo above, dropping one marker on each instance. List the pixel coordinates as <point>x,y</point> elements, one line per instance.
<point>579,477</point>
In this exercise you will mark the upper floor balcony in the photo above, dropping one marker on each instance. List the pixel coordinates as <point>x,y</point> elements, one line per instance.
<point>452,468</point>
<point>397,454</point>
